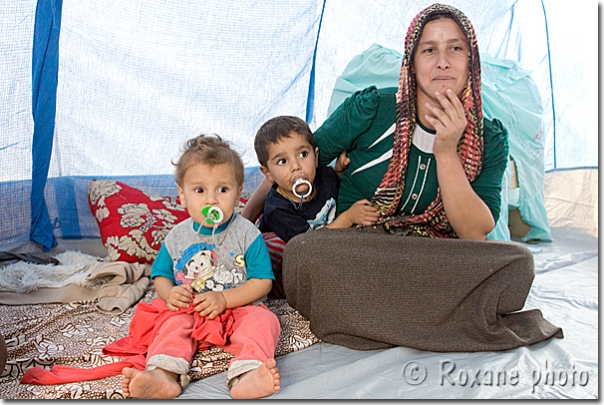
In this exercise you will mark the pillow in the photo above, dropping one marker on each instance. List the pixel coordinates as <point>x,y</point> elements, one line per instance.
<point>132,224</point>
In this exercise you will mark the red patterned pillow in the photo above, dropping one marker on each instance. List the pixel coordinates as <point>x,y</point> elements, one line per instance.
<point>132,224</point>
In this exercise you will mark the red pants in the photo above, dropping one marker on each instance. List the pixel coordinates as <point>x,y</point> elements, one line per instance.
<point>250,332</point>
<point>161,338</point>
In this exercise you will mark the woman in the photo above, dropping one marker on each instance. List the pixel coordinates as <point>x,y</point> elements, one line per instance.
<point>433,167</point>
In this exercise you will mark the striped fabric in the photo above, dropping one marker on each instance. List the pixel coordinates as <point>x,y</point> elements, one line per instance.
<point>275,247</point>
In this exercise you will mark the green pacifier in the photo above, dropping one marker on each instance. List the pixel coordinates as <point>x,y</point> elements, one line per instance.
<point>213,214</point>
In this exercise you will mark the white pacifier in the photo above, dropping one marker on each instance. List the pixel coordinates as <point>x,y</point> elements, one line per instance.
<point>298,183</point>
<point>213,214</point>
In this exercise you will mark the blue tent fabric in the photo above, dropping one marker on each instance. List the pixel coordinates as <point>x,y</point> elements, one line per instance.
<point>44,93</point>
<point>310,104</point>
<point>510,93</point>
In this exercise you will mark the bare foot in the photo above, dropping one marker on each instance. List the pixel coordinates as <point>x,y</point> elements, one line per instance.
<point>156,383</point>
<point>258,383</point>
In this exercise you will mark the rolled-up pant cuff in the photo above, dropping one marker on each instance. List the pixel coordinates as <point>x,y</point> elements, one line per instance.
<point>239,367</point>
<point>173,364</point>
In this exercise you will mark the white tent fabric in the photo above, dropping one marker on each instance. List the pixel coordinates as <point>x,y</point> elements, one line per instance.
<point>136,79</point>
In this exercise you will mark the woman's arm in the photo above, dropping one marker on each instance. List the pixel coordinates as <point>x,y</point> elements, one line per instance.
<point>468,214</point>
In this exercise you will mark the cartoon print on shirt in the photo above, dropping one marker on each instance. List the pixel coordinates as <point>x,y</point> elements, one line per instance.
<point>325,216</point>
<point>200,267</point>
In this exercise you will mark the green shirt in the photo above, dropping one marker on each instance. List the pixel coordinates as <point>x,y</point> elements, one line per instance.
<point>364,126</point>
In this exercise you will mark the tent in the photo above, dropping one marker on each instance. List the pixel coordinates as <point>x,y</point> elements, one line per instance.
<point>111,91</point>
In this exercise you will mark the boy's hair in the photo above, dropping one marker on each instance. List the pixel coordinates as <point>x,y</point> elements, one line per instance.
<point>209,150</point>
<point>275,129</point>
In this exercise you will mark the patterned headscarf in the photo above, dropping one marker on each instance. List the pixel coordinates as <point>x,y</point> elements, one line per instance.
<point>433,222</point>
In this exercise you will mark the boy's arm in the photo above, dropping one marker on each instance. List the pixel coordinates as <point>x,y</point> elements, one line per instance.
<point>254,206</point>
<point>247,293</point>
<point>174,296</point>
<point>165,286</point>
<point>361,213</point>
<point>162,287</point>
<point>259,283</point>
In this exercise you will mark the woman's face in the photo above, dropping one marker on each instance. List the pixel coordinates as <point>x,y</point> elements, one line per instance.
<point>441,60</point>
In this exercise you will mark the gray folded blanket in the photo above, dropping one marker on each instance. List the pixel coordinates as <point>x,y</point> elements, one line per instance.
<point>372,290</point>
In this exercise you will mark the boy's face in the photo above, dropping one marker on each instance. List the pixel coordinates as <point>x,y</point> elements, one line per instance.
<point>291,159</point>
<point>204,185</point>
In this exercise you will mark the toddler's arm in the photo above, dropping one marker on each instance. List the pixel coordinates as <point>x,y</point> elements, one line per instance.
<point>254,206</point>
<point>176,296</point>
<point>361,213</point>
<point>213,303</point>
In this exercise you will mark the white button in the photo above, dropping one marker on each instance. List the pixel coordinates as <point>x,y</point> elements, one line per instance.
<point>414,196</point>
<point>422,166</point>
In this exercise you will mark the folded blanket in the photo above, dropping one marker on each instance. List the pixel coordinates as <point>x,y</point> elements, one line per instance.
<point>66,268</point>
<point>128,283</point>
<point>372,290</point>
<point>115,286</point>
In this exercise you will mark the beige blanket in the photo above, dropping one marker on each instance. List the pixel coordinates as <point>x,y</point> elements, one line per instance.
<point>114,286</point>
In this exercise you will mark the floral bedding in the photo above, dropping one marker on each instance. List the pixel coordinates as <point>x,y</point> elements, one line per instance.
<point>73,334</point>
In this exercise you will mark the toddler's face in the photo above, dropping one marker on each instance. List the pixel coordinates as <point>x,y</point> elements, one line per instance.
<point>289,160</point>
<point>209,185</point>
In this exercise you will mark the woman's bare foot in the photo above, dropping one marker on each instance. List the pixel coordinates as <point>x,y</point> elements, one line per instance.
<point>156,383</point>
<point>258,383</point>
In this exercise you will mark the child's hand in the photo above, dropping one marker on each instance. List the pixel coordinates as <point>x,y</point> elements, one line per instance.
<point>342,163</point>
<point>210,304</point>
<point>362,213</point>
<point>179,297</point>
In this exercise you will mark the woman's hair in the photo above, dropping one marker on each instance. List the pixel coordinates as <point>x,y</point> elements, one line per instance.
<point>275,129</point>
<point>209,150</point>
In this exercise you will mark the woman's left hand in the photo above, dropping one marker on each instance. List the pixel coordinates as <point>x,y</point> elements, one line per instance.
<point>449,121</point>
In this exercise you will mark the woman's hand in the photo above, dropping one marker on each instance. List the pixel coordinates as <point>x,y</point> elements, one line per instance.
<point>342,163</point>
<point>468,215</point>
<point>449,121</point>
<point>210,304</point>
<point>179,297</point>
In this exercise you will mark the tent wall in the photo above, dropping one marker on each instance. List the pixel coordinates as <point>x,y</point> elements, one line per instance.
<point>136,79</point>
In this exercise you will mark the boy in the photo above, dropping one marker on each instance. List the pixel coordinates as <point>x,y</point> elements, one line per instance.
<point>303,196</point>
<point>209,271</point>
